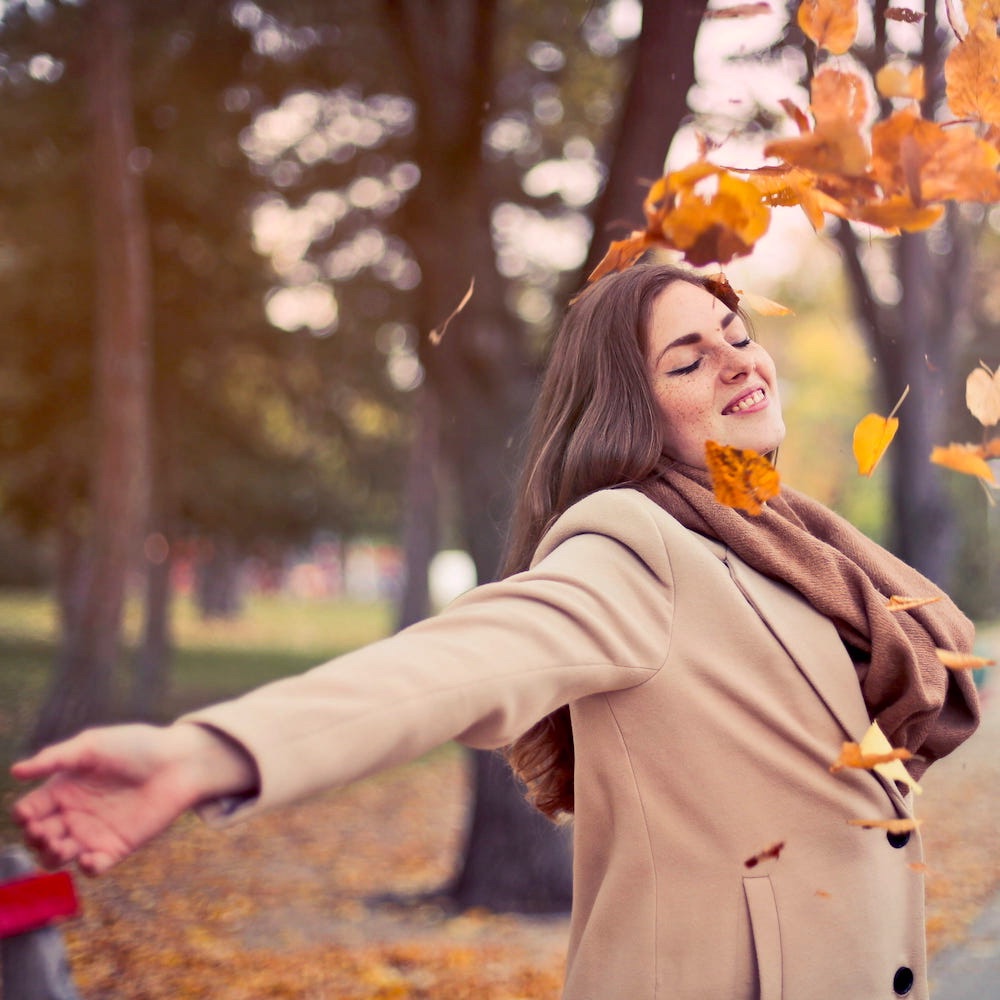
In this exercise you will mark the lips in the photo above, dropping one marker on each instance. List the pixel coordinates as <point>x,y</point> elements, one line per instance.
<point>746,401</point>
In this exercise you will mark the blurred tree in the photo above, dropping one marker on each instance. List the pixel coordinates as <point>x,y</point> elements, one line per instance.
<point>81,690</point>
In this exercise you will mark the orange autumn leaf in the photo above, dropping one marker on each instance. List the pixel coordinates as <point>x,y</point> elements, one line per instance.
<point>622,254</point>
<point>972,74</point>
<point>836,95</point>
<point>873,435</point>
<point>891,825</point>
<point>898,79</point>
<point>965,458</point>
<point>897,603</point>
<point>718,285</point>
<point>853,755</point>
<point>835,147</point>
<point>763,306</point>
<point>769,853</point>
<point>831,24</point>
<point>741,478</point>
<point>982,395</point>
<point>710,215</point>
<point>963,661</point>
<point>897,213</point>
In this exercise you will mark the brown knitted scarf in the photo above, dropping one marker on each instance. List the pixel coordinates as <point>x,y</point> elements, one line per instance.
<point>918,703</point>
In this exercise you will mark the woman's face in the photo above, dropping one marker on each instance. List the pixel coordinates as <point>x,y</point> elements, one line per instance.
<point>712,382</point>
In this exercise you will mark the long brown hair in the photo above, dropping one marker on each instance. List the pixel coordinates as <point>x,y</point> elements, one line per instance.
<point>596,424</point>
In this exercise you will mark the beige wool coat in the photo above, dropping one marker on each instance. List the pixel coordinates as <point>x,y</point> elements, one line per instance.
<point>708,703</point>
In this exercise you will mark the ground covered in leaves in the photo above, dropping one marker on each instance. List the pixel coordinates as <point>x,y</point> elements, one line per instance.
<point>282,907</point>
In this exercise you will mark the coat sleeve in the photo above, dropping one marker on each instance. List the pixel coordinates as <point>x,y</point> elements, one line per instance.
<point>591,616</point>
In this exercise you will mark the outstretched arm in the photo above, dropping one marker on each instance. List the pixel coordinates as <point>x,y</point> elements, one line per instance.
<point>108,791</point>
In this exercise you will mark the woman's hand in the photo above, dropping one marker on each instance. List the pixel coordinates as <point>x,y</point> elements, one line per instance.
<point>108,791</point>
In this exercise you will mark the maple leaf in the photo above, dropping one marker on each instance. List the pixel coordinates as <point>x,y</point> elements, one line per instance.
<point>831,24</point>
<point>873,435</point>
<point>982,395</point>
<point>972,74</point>
<point>963,661</point>
<point>897,603</point>
<point>965,458</point>
<point>741,478</point>
<point>904,825</point>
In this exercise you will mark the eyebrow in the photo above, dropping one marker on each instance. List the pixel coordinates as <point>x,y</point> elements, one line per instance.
<point>694,338</point>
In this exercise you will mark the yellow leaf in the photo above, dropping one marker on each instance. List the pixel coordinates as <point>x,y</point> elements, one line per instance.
<point>972,74</point>
<point>964,458</point>
<point>831,24</point>
<point>872,435</point>
<point>963,661</point>
<point>892,825</point>
<point>764,306</point>
<point>741,478</point>
<point>982,395</point>
<point>897,603</point>
<point>897,79</point>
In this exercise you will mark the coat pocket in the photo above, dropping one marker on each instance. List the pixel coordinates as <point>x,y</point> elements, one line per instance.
<point>766,934</point>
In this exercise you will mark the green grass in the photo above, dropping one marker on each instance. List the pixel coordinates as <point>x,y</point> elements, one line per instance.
<point>213,660</point>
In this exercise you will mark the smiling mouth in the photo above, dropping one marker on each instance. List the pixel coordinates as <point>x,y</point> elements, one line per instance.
<point>746,402</point>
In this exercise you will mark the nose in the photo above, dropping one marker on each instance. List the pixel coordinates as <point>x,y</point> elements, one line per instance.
<point>736,364</point>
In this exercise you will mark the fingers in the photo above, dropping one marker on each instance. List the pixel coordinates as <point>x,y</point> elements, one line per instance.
<point>58,757</point>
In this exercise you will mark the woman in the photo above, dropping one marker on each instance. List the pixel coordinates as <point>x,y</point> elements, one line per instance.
<point>677,673</point>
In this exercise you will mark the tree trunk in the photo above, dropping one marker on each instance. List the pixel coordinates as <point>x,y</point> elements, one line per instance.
<point>82,692</point>
<point>217,580</point>
<point>421,535</point>
<point>654,108</point>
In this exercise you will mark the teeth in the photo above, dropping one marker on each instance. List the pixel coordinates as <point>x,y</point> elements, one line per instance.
<point>755,397</point>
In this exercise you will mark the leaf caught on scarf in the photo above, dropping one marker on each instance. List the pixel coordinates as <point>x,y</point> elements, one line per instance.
<point>963,661</point>
<point>851,755</point>
<point>890,825</point>
<point>774,851</point>
<point>876,753</point>
<point>897,603</point>
<point>873,435</point>
<point>741,478</point>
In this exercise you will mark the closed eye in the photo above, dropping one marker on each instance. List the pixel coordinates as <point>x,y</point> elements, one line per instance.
<point>743,343</point>
<point>686,370</point>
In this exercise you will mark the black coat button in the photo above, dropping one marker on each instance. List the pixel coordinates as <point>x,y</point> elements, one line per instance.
<point>902,982</point>
<point>898,839</point>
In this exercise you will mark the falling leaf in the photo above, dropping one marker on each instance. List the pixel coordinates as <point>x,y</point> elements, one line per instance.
<point>831,24</point>
<point>963,661</point>
<point>738,10</point>
<point>823,894</point>
<point>898,79</point>
<point>919,867</point>
<point>437,333</point>
<point>741,478</point>
<point>796,114</point>
<point>833,148</point>
<point>873,435</point>
<point>897,603</point>
<point>875,753</point>
<point>718,285</point>
<point>982,395</point>
<point>622,254</point>
<point>891,825</point>
<point>965,458</point>
<point>764,306</point>
<point>972,75</point>
<point>851,755</point>
<point>836,95</point>
<point>904,14</point>
<point>774,851</point>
